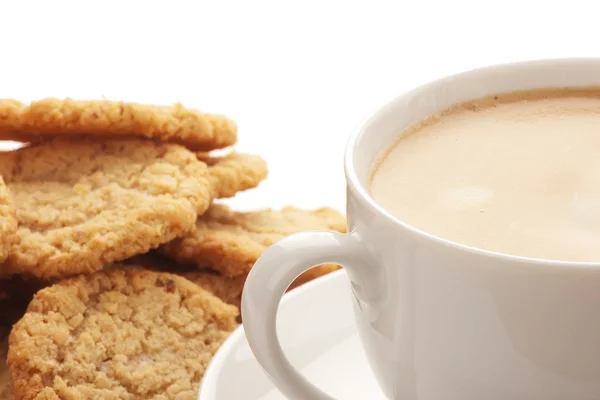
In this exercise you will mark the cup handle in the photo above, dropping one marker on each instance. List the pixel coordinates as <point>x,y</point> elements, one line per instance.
<point>268,280</point>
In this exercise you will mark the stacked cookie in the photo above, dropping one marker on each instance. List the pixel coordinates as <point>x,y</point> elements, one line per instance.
<point>121,274</point>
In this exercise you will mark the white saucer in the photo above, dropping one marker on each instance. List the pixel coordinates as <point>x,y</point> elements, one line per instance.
<point>317,333</point>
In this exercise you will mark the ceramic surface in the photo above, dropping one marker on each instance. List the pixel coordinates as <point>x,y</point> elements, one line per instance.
<point>438,320</point>
<point>318,334</point>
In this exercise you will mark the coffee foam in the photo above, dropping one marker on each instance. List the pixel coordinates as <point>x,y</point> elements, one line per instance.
<point>517,173</point>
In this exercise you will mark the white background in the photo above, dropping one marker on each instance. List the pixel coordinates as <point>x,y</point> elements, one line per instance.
<point>297,76</point>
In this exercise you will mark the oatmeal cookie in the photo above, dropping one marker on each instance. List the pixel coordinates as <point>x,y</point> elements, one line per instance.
<point>50,118</point>
<point>8,221</point>
<point>6,388</point>
<point>227,289</point>
<point>126,333</point>
<point>234,172</point>
<point>82,204</point>
<point>231,242</point>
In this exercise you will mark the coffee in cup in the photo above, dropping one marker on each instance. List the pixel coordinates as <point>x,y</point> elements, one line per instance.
<point>515,173</point>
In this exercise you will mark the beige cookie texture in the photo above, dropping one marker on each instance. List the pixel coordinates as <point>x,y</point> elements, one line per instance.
<point>8,221</point>
<point>227,289</point>
<point>234,172</point>
<point>82,204</point>
<point>231,242</point>
<point>122,334</point>
<point>49,118</point>
<point>6,388</point>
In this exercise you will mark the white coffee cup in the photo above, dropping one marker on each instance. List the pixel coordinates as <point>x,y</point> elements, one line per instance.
<point>439,320</point>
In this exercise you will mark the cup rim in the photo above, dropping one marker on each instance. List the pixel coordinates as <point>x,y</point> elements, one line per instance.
<point>359,190</point>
